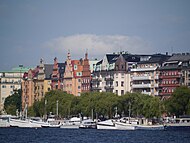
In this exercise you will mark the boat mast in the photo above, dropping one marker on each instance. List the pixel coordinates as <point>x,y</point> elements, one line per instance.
<point>57,111</point>
<point>129,111</point>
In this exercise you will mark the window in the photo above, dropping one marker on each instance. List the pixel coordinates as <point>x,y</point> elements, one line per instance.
<point>116,91</point>
<point>78,87</point>
<point>79,73</point>
<point>75,67</point>
<point>3,86</point>
<point>122,92</point>
<point>116,83</point>
<point>78,80</point>
<point>122,83</point>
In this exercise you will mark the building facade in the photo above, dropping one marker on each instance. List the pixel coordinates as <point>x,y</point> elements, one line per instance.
<point>36,82</point>
<point>174,73</point>
<point>9,82</point>
<point>145,75</point>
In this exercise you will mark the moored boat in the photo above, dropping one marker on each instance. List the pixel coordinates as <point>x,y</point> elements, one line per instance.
<point>88,124</point>
<point>72,123</point>
<point>107,125</point>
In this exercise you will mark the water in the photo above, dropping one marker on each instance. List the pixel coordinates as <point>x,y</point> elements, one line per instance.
<point>54,135</point>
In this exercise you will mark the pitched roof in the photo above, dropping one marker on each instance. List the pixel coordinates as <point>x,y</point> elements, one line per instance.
<point>156,58</point>
<point>112,58</point>
<point>180,57</point>
<point>100,62</point>
<point>48,70</point>
<point>131,58</point>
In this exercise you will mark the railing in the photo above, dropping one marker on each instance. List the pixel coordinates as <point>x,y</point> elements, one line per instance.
<point>169,85</point>
<point>109,86</point>
<point>169,76</point>
<point>141,85</point>
<point>142,77</point>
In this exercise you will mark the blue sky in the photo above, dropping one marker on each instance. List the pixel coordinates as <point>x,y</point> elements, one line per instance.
<point>34,29</point>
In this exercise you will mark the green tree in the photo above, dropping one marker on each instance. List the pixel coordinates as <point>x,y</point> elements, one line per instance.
<point>13,103</point>
<point>178,103</point>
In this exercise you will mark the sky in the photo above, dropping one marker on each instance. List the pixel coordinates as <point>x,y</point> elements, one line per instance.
<point>35,29</point>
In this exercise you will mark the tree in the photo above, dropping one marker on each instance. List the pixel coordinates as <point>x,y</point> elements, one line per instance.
<point>179,102</point>
<point>13,103</point>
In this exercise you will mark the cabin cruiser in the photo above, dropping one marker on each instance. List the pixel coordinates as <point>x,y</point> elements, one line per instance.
<point>5,120</point>
<point>88,124</point>
<point>52,122</point>
<point>107,124</point>
<point>72,123</point>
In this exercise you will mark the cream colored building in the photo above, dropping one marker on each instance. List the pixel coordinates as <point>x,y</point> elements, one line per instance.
<point>10,81</point>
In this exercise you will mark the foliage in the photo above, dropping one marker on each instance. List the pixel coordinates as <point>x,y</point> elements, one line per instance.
<point>13,102</point>
<point>102,104</point>
<point>179,103</point>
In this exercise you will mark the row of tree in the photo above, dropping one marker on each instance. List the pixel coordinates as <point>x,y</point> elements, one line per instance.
<point>105,104</point>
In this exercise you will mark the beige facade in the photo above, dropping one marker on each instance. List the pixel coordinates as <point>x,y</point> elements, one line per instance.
<point>10,81</point>
<point>35,84</point>
<point>68,75</point>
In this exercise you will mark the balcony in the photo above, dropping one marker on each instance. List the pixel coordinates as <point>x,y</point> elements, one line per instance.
<point>109,87</point>
<point>144,69</point>
<point>169,85</point>
<point>96,88</point>
<point>147,93</point>
<point>165,93</point>
<point>96,78</point>
<point>142,77</point>
<point>109,78</point>
<point>169,76</point>
<point>141,85</point>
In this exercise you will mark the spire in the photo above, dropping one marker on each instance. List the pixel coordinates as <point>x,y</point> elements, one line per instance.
<point>68,55</point>
<point>41,61</point>
<point>86,54</point>
<point>55,59</point>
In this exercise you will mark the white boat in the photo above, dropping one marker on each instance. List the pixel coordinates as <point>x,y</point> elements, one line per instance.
<point>127,123</point>
<point>150,127</point>
<point>38,123</point>
<point>20,123</point>
<point>52,122</point>
<point>5,120</point>
<point>124,126</point>
<point>178,123</point>
<point>88,124</point>
<point>73,123</point>
<point>107,125</point>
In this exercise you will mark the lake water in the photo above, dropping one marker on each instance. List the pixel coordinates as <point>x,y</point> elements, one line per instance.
<point>55,135</point>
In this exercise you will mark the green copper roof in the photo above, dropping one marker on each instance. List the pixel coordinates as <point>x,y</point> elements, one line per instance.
<point>21,69</point>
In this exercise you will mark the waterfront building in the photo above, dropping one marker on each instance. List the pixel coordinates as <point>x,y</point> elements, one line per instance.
<point>77,76</point>
<point>68,75</point>
<point>36,83</point>
<point>145,75</point>
<point>112,73</point>
<point>122,76</point>
<point>86,75</point>
<point>174,73</point>
<point>9,82</point>
<point>57,75</point>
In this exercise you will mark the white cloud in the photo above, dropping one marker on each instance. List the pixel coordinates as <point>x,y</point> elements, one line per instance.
<point>96,45</point>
